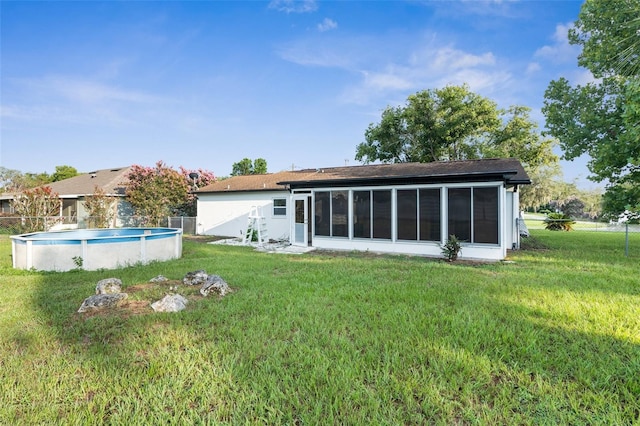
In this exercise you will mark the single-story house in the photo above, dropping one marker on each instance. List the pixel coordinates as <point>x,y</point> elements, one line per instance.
<point>73,192</point>
<point>409,208</point>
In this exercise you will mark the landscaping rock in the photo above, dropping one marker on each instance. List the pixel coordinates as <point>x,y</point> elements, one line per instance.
<point>216,284</point>
<point>159,279</point>
<point>170,303</point>
<point>195,278</point>
<point>109,286</point>
<point>99,301</point>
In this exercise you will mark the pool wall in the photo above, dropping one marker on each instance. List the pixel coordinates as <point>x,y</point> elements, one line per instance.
<point>95,248</point>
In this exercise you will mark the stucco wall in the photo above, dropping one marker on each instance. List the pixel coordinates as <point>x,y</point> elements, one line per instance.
<point>226,214</point>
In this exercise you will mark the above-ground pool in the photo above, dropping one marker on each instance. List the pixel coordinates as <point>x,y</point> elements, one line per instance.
<point>92,249</point>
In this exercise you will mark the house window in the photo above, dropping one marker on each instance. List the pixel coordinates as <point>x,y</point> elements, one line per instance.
<point>485,215</point>
<point>362,214</point>
<point>460,213</point>
<point>372,214</point>
<point>322,210</point>
<point>430,216</point>
<point>473,214</point>
<point>280,207</point>
<point>382,214</point>
<point>418,214</point>
<point>331,213</point>
<point>339,213</point>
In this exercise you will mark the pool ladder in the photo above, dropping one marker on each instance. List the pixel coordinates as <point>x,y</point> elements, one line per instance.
<point>256,225</point>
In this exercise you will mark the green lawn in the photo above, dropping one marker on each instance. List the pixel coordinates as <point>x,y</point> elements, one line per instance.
<point>324,338</point>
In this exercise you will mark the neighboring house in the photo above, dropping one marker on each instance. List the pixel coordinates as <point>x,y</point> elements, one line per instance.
<point>73,192</point>
<point>407,208</point>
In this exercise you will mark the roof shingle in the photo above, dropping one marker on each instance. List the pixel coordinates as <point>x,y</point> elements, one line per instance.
<point>508,169</point>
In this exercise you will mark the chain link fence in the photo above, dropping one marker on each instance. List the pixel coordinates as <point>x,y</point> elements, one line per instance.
<point>628,231</point>
<point>14,225</point>
<point>537,222</point>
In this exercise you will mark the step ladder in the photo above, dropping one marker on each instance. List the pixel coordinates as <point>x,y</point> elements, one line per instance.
<point>256,225</point>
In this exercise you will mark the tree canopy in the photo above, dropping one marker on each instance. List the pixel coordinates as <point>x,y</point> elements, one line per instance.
<point>160,191</point>
<point>16,181</point>
<point>601,118</point>
<point>63,172</point>
<point>454,123</point>
<point>248,167</point>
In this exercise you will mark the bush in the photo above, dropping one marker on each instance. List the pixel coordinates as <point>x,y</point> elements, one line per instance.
<point>451,248</point>
<point>559,222</point>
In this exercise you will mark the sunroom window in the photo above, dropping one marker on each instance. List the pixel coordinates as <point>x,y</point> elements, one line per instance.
<point>473,214</point>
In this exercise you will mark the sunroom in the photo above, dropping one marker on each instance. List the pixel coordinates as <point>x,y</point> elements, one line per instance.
<point>410,208</point>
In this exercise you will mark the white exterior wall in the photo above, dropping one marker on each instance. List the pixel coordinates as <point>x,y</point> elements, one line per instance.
<point>226,214</point>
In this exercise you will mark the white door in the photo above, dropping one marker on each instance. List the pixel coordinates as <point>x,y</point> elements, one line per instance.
<point>301,210</point>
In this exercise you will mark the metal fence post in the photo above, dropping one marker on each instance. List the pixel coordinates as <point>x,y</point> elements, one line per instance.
<point>626,239</point>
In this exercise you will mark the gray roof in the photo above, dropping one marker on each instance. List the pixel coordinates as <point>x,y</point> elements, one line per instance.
<point>508,170</point>
<point>112,181</point>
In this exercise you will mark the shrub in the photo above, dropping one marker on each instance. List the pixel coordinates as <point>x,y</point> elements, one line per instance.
<point>559,222</point>
<point>451,248</point>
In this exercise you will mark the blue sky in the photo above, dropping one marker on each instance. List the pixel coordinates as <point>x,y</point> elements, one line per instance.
<point>203,84</point>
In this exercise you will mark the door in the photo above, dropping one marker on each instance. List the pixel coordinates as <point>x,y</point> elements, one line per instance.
<point>301,229</point>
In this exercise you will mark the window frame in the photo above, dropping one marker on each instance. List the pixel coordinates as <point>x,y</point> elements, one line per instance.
<point>276,208</point>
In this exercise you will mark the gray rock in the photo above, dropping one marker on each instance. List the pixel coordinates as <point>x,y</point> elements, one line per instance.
<point>195,278</point>
<point>216,284</point>
<point>109,286</point>
<point>170,303</point>
<point>159,279</point>
<point>99,301</point>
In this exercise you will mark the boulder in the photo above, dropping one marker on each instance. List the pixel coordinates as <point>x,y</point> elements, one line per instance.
<point>170,303</point>
<point>109,286</point>
<point>216,284</point>
<point>195,278</point>
<point>159,279</point>
<point>99,301</point>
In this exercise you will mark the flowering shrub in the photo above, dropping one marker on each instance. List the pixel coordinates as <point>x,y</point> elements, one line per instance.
<point>39,208</point>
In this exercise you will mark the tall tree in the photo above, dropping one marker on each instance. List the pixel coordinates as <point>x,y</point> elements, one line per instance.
<point>601,118</point>
<point>451,123</point>
<point>248,167</point>
<point>16,181</point>
<point>63,172</point>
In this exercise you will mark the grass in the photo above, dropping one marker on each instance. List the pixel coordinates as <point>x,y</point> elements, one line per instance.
<point>334,338</point>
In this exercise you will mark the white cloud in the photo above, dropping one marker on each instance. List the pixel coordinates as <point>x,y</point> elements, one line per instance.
<point>560,50</point>
<point>92,92</point>
<point>533,68</point>
<point>327,25</point>
<point>70,99</point>
<point>294,6</point>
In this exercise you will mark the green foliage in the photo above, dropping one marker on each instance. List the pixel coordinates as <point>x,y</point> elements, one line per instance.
<point>247,167</point>
<point>16,181</point>
<point>451,248</point>
<point>195,179</point>
<point>601,118</point>
<point>454,123</point>
<point>78,261</point>
<point>160,191</point>
<point>39,208</point>
<point>619,198</point>
<point>63,172</point>
<point>325,338</point>
<point>101,208</point>
<point>558,222</point>
<point>439,124</point>
<point>608,37</point>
